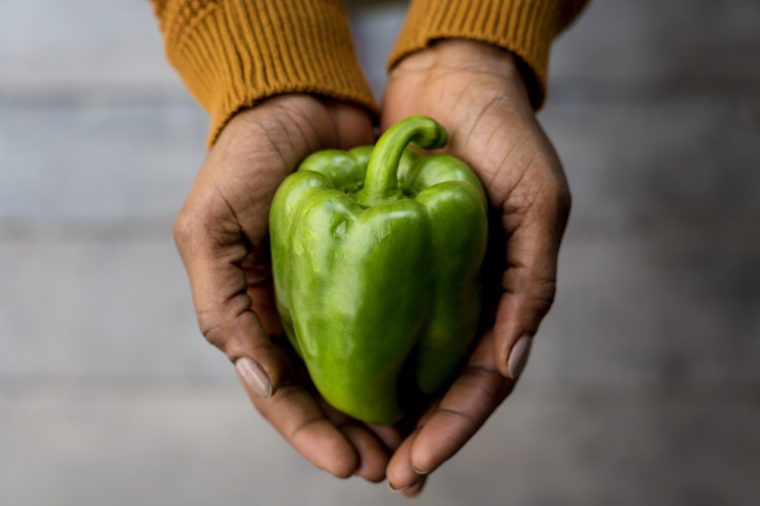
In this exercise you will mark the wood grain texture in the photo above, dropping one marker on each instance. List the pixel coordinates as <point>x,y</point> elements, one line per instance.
<point>642,385</point>
<point>163,444</point>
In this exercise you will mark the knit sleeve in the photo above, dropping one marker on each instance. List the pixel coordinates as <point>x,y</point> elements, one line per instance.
<point>524,27</point>
<point>232,54</point>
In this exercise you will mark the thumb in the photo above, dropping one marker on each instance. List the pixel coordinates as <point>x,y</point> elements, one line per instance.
<point>530,278</point>
<point>213,257</point>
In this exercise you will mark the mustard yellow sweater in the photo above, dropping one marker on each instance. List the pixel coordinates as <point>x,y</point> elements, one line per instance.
<point>233,53</point>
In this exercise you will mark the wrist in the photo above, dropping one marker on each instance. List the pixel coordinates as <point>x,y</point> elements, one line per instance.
<point>311,118</point>
<point>475,56</point>
<point>469,60</point>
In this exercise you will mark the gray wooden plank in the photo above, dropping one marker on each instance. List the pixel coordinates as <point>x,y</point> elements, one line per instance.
<point>629,164</point>
<point>642,385</point>
<point>658,273</point>
<point>643,312</point>
<point>201,445</point>
<point>672,46</point>
<point>375,28</point>
<point>617,44</point>
<point>119,309</point>
<point>98,161</point>
<point>88,43</point>
<point>656,310</point>
<point>673,163</point>
<point>619,48</point>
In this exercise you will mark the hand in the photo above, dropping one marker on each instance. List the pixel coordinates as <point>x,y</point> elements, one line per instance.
<point>476,92</point>
<point>221,233</point>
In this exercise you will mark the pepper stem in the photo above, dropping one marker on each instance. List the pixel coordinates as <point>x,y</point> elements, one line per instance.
<point>381,183</point>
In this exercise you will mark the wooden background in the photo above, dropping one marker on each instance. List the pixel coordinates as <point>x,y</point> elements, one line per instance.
<point>643,386</point>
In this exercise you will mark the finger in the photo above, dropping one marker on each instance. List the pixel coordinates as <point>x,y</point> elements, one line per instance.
<point>415,490</point>
<point>213,250</point>
<point>400,472</point>
<point>469,402</point>
<point>390,436</point>
<point>258,272</point>
<point>373,457</point>
<point>295,413</point>
<point>354,126</point>
<point>529,281</point>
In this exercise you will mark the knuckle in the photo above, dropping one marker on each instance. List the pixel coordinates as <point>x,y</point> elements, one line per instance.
<point>486,380</point>
<point>213,331</point>
<point>549,291</point>
<point>537,291</point>
<point>558,194</point>
<point>224,325</point>
<point>543,295</point>
<point>185,225</point>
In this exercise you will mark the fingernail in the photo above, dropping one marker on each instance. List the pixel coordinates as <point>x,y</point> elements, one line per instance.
<point>390,486</point>
<point>413,495</point>
<point>518,357</point>
<point>254,376</point>
<point>421,473</point>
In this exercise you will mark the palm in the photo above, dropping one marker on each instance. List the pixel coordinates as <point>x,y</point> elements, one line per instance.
<point>475,92</point>
<point>222,236</point>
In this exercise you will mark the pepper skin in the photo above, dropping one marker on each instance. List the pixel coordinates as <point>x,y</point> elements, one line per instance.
<point>376,254</point>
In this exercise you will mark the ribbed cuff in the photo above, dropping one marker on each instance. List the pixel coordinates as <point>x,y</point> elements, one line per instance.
<point>523,27</point>
<point>232,54</point>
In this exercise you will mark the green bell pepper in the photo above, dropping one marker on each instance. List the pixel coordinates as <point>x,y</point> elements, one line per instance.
<point>375,256</point>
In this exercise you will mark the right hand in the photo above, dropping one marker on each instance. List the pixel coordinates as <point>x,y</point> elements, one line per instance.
<point>477,92</point>
<point>221,233</point>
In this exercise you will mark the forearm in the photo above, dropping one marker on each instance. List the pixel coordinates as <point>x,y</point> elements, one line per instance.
<point>233,54</point>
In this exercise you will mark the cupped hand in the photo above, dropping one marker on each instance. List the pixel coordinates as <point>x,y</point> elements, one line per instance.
<point>221,233</point>
<point>475,90</point>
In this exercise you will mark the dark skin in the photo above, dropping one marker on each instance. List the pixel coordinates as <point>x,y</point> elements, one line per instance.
<point>476,92</point>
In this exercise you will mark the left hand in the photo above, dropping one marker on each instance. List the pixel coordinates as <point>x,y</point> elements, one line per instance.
<point>222,235</point>
<point>475,90</point>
